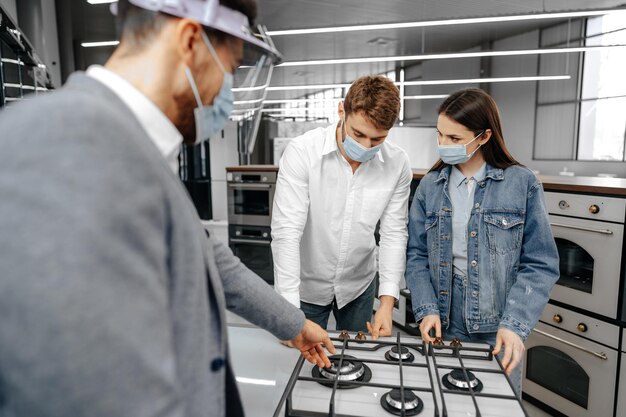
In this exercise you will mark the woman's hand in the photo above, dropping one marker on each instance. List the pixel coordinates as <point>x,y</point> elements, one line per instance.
<point>513,349</point>
<point>432,321</point>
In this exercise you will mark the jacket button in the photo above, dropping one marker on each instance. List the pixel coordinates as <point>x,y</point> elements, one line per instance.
<point>504,222</point>
<point>476,327</point>
<point>474,263</point>
<point>473,234</point>
<point>474,293</point>
<point>477,205</point>
<point>217,364</point>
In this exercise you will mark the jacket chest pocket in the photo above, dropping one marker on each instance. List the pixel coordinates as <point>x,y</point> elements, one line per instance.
<point>504,231</point>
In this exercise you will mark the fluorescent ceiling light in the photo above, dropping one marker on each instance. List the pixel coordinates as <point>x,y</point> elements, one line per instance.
<point>424,57</point>
<point>98,44</point>
<point>426,97</point>
<point>405,25</point>
<point>431,82</point>
<point>289,100</point>
<point>255,381</point>
<point>101,1</point>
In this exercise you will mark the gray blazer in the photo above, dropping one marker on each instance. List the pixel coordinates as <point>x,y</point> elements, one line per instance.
<point>112,299</point>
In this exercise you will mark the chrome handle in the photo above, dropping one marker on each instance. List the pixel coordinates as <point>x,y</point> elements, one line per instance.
<point>586,229</point>
<point>600,355</point>
<point>250,185</point>
<point>252,241</point>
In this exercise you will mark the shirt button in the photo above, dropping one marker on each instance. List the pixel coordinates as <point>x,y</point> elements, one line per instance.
<point>476,205</point>
<point>476,327</point>
<point>473,234</point>
<point>474,263</point>
<point>217,364</point>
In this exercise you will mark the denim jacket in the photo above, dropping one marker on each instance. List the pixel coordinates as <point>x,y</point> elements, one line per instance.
<point>512,257</point>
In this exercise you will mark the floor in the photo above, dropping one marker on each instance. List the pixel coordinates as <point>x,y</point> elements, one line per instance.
<point>532,410</point>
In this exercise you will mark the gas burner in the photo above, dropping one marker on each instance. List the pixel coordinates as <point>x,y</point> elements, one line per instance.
<point>455,380</point>
<point>438,342</point>
<point>344,335</point>
<point>456,342</point>
<point>392,355</point>
<point>361,336</point>
<point>392,402</point>
<point>351,370</point>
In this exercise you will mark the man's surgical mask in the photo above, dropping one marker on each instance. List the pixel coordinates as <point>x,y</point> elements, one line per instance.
<point>356,151</point>
<point>457,154</point>
<point>210,119</point>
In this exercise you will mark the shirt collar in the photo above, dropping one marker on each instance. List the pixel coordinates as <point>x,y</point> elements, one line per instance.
<point>159,128</point>
<point>457,178</point>
<point>330,142</point>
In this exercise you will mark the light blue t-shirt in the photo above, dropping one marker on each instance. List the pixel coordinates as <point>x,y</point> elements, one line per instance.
<point>461,191</point>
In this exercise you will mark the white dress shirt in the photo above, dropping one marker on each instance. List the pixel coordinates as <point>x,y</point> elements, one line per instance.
<point>161,130</point>
<point>324,217</point>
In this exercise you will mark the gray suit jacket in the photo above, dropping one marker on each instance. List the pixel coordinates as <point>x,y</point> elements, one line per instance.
<point>112,299</point>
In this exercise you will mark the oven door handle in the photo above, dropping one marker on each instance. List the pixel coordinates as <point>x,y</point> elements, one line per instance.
<point>586,229</point>
<point>258,186</point>
<point>600,355</point>
<point>251,241</point>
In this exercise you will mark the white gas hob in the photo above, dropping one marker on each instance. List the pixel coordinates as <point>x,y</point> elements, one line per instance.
<point>373,380</point>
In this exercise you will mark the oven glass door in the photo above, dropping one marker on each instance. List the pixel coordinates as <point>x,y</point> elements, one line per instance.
<point>256,255</point>
<point>570,374</point>
<point>590,253</point>
<point>250,204</point>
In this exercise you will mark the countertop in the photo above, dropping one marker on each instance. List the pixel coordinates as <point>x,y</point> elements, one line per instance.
<point>577,184</point>
<point>262,367</point>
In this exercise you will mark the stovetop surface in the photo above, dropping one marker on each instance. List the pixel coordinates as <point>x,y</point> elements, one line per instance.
<point>306,397</point>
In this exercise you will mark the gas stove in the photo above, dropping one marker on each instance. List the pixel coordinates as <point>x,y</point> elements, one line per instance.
<point>401,376</point>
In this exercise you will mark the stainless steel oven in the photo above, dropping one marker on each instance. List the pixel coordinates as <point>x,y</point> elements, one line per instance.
<point>250,197</point>
<point>589,233</point>
<point>571,364</point>
<point>251,244</point>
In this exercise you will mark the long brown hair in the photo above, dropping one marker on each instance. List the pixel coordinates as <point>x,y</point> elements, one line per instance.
<point>477,111</point>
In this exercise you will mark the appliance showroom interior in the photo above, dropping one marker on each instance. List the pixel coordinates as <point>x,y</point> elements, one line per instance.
<point>556,70</point>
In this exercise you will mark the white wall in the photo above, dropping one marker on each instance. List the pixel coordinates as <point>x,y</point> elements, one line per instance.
<point>50,54</point>
<point>418,142</point>
<point>10,6</point>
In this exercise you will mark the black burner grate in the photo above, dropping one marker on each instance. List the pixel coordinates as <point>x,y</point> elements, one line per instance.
<point>430,352</point>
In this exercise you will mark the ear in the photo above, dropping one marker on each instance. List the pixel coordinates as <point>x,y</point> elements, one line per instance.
<point>485,137</point>
<point>341,112</point>
<point>186,37</point>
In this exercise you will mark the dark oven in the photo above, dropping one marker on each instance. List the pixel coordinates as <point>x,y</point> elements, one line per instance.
<point>251,244</point>
<point>250,196</point>
<point>589,233</point>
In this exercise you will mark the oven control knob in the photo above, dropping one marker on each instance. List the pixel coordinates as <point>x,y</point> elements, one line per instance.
<point>238,233</point>
<point>557,318</point>
<point>582,327</point>
<point>594,209</point>
<point>264,234</point>
<point>563,204</point>
<point>264,179</point>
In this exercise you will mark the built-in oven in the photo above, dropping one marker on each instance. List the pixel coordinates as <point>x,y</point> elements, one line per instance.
<point>250,197</point>
<point>621,394</point>
<point>252,244</point>
<point>571,364</point>
<point>589,234</point>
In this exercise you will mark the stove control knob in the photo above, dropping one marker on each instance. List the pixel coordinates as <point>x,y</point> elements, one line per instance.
<point>456,342</point>
<point>238,233</point>
<point>264,234</point>
<point>557,319</point>
<point>361,336</point>
<point>438,341</point>
<point>594,209</point>
<point>563,205</point>
<point>344,335</point>
<point>582,327</point>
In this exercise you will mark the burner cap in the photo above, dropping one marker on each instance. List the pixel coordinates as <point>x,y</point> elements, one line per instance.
<point>392,354</point>
<point>392,402</point>
<point>351,370</point>
<point>455,380</point>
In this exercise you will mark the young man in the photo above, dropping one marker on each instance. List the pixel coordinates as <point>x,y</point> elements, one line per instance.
<point>334,185</point>
<point>111,296</point>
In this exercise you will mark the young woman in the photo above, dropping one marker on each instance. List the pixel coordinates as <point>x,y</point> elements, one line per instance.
<point>481,259</point>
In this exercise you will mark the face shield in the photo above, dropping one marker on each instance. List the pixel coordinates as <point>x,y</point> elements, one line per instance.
<point>259,57</point>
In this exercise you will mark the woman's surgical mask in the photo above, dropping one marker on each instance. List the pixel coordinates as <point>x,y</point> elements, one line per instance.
<point>457,154</point>
<point>210,119</point>
<point>356,151</point>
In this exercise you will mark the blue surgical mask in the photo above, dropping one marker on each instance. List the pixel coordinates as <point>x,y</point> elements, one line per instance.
<point>457,154</point>
<point>210,119</point>
<point>356,151</point>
